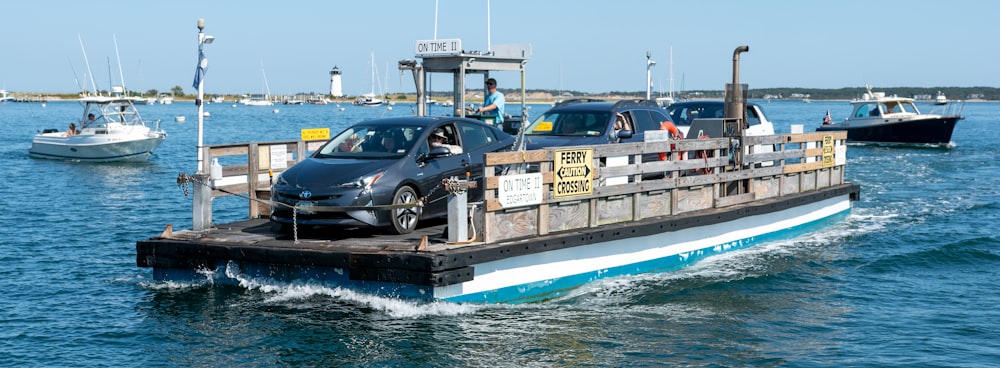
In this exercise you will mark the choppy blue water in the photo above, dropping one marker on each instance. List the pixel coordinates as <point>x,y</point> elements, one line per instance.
<point>909,279</point>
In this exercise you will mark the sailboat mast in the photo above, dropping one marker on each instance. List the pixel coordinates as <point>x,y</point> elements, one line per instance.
<point>267,88</point>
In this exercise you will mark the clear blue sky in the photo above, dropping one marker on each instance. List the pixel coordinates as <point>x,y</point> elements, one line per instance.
<point>583,45</point>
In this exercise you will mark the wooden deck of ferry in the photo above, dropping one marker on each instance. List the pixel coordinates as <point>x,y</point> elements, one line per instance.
<point>805,168</point>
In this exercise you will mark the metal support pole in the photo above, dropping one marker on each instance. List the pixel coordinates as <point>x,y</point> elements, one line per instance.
<point>649,75</point>
<point>458,217</point>
<point>201,96</point>
<point>201,218</point>
<point>458,208</point>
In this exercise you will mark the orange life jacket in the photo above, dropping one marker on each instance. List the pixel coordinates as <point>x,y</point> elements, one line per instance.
<point>674,134</point>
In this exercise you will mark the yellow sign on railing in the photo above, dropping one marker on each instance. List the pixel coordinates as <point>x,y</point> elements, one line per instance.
<point>313,134</point>
<point>573,172</point>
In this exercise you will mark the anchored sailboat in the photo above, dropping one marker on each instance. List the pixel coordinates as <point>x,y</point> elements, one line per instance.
<point>263,99</point>
<point>369,99</point>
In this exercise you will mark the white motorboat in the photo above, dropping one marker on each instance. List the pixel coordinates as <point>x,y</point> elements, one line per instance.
<point>940,99</point>
<point>256,100</point>
<point>317,100</point>
<point>368,100</point>
<point>115,133</point>
<point>145,101</point>
<point>5,97</point>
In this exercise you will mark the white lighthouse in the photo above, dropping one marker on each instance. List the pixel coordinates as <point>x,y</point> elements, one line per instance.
<point>336,88</point>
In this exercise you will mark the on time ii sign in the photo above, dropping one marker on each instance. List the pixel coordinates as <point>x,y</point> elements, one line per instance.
<point>439,47</point>
<point>574,172</point>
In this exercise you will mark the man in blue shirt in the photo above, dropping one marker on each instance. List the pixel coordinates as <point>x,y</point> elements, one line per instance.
<point>494,101</point>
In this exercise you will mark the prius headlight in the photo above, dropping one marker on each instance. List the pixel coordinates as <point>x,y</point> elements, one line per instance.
<point>364,182</point>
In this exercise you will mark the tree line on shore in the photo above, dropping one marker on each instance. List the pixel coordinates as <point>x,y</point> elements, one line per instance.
<point>953,93</point>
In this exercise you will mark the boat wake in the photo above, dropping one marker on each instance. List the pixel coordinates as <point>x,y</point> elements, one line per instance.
<point>764,260</point>
<point>302,294</point>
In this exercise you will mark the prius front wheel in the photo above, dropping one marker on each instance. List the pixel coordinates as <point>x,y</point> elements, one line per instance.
<point>404,219</point>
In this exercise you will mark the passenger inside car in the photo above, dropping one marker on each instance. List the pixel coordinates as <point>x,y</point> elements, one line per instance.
<point>621,123</point>
<point>572,125</point>
<point>439,139</point>
<point>351,144</point>
<point>593,126</point>
<point>690,116</point>
<point>389,143</point>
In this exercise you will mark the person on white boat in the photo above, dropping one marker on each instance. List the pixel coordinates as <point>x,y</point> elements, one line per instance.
<point>91,119</point>
<point>72,130</point>
<point>494,101</point>
<point>438,139</point>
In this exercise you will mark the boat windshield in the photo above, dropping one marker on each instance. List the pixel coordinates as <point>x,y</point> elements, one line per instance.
<point>99,114</point>
<point>894,107</point>
<point>867,109</point>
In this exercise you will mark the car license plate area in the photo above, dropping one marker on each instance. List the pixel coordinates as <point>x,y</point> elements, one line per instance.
<point>302,207</point>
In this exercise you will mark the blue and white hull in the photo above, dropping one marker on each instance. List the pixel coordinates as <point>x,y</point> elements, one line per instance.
<point>551,274</point>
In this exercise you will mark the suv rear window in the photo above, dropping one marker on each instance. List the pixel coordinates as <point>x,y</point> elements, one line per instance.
<point>648,120</point>
<point>683,114</point>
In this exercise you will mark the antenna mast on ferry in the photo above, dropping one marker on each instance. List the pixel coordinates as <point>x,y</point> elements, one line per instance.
<point>489,46</point>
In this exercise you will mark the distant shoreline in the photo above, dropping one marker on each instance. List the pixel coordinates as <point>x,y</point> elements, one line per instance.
<point>412,99</point>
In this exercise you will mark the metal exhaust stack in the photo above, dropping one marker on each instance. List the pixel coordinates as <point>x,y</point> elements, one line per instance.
<point>735,109</point>
<point>735,101</point>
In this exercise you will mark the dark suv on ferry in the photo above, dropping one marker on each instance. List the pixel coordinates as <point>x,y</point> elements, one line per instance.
<point>581,122</point>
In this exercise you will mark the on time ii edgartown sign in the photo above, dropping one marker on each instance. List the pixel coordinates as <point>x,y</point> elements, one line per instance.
<point>520,190</point>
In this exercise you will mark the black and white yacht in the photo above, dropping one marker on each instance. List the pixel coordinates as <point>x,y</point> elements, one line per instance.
<point>877,118</point>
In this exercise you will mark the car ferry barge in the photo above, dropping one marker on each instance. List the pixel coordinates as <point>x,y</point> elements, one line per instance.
<point>582,213</point>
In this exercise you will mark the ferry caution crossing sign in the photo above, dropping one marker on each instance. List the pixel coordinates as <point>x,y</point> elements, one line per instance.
<point>574,172</point>
<point>828,150</point>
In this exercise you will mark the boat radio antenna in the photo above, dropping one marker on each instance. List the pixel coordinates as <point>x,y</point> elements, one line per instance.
<point>87,62</point>
<point>76,78</point>
<point>111,81</point>
<point>121,74</point>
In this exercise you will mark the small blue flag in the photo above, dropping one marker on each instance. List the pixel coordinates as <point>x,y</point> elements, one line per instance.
<point>199,73</point>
